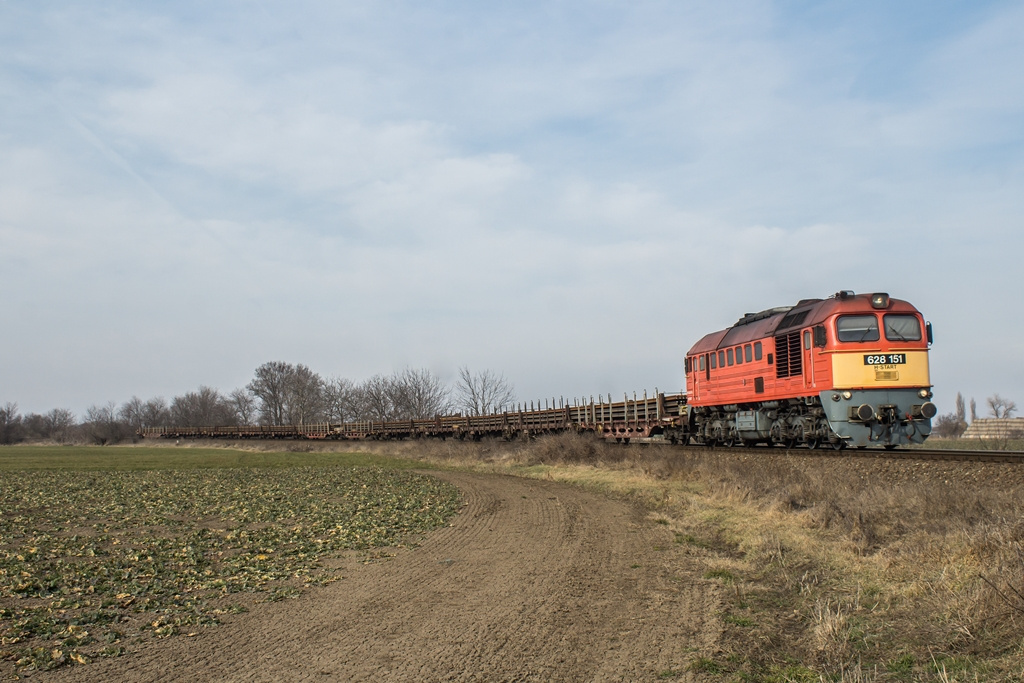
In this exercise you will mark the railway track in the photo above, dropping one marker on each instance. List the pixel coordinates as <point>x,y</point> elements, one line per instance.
<point>918,453</point>
<point>952,455</point>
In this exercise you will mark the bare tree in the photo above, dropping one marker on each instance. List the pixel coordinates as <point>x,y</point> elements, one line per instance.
<point>244,405</point>
<point>305,396</point>
<point>60,423</point>
<point>483,393</point>
<point>1000,407</point>
<point>103,425</point>
<point>341,400</point>
<point>952,425</point>
<point>961,410</point>
<point>375,399</point>
<point>155,413</point>
<point>33,425</point>
<point>133,413</point>
<point>203,408</point>
<point>271,387</point>
<point>418,393</point>
<point>11,429</point>
<point>948,426</point>
<point>974,410</point>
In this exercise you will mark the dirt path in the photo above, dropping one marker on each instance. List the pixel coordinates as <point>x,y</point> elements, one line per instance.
<point>533,581</point>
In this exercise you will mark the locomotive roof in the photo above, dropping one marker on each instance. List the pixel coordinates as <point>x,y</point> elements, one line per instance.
<point>772,321</point>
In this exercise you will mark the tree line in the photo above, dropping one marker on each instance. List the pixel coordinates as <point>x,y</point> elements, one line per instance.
<point>954,424</point>
<point>279,393</point>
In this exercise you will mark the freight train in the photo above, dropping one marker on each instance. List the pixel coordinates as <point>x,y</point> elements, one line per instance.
<point>849,370</point>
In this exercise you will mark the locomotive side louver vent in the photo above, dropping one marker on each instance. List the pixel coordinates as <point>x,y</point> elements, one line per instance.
<point>788,359</point>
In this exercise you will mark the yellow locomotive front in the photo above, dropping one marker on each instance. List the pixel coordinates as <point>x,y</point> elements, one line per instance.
<point>881,386</point>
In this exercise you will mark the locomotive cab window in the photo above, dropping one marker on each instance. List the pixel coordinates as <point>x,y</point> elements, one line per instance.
<point>702,365</point>
<point>721,359</point>
<point>714,366</point>
<point>857,328</point>
<point>757,351</point>
<point>902,327</point>
<point>746,353</point>
<point>728,356</point>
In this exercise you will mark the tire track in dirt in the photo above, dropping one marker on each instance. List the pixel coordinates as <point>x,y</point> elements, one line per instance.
<point>532,581</point>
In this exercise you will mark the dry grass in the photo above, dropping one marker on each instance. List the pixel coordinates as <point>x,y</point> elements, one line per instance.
<point>844,569</point>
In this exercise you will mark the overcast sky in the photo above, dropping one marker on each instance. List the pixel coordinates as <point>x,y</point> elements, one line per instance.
<point>569,193</point>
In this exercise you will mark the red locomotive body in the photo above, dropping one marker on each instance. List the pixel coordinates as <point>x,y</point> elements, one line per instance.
<point>847,370</point>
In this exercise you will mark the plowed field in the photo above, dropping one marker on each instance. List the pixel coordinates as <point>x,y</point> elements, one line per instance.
<point>532,581</point>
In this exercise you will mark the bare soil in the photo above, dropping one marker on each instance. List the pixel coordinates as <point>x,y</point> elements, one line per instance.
<point>532,581</point>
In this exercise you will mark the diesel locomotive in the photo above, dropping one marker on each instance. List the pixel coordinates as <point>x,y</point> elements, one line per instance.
<point>849,370</point>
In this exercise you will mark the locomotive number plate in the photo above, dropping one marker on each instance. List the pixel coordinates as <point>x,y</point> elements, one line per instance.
<point>885,359</point>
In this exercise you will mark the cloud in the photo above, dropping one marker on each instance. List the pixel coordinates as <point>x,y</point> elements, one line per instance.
<point>569,193</point>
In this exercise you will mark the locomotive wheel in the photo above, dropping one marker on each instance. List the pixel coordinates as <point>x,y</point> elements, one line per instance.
<point>812,443</point>
<point>838,445</point>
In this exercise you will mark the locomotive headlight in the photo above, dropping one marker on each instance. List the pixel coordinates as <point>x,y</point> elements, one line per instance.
<point>880,300</point>
<point>835,397</point>
<point>847,394</point>
<point>924,393</point>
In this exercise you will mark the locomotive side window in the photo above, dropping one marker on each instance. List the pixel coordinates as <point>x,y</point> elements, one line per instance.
<point>739,355</point>
<point>757,352</point>
<point>714,366</point>
<point>902,327</point>
<point>807,339</point>
<point>702,364</point>
<point>746,352</point>
<point>728,356</point>
<point>857,328</point>
<point>721,359</point>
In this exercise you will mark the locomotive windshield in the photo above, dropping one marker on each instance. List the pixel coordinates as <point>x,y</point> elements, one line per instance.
<point>857,328</point>
<point>902,328</point>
